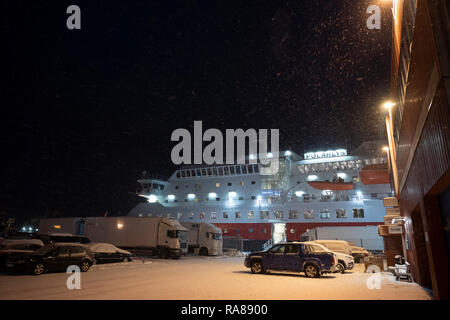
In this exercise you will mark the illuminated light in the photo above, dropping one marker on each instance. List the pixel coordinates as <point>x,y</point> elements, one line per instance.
<point>232,195</point>
<point>287,153</point>
<point>212,195</point>
<point>269,155</point>
<point>23,228</point>
<point>252,157</point>
<point>171,197</point>
<point>388,105</point>
<point>342,175</point>
<point>152,198</point>
<point>386,149</point>
<point>299,193</point>
<point>30,229</point>
<point>191,196</point>
<point>119,225</point>
<point>37,229</point>
<point>57,226</point>
<point>259,198</point>
<point>326,192</point>
<point>359,193</point>
<point>312,177</point>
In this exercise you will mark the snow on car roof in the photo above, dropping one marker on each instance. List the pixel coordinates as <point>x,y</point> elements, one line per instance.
<point>22,241</point>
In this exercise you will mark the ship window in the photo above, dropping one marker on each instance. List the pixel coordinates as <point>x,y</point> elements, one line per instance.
<point>203,172</point>
<point>358,213</point>
<point>253,197</point>
<point>220,171</point>
<point>213,215</point>
<point>255,168</point>
<point>242,183</point>
<point>192,173</point>
<point>178,174</point>
<point>238,230</point>
<point>253,182</point>
<point>154,185</point>
<point>238,170</point>
<point>292,231</point>
<point>250,230</point>
<point>278,215</point>
<point>149,214</point>
<point>225,215</point>
<point>250,168</point>
<point>180,215</point>
<point>225,171</point>
<point>191,215</point>
<point>229,183</point>
<point>188,173</point>
<point>161,186</point>
<point>264,230</point>
<point>293,214</point>
<point>183,174</point>
<point>308,214</point>
<point>214,171</point>
<point>199,173</point>
<point>231,170</point>
<point>324,214</point>
<point>217,199</point>
<point>251,214</point>
<point>264,214</point>
<point>209,172</point>
<point>244,169</point>
<point>237,214</point>
<point>176,187</point>
<point>225,230</point>
<point>341,214</point>
<point>218,184</point>
<point>202,215</point>
<point>241,198</point>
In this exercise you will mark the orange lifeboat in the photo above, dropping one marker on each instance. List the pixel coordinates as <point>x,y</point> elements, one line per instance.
<point>331,185</point>
<point>375,174</point>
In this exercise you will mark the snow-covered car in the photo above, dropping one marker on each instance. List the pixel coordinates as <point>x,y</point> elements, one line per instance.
<point>108,253</point>
<point>344,261</point>
<point>12,248</point>
<point>359,253</point>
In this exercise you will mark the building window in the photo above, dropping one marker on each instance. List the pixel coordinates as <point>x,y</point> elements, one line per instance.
<point>308,214</point>
<point>225,215</point>
<point>264,214</point>
<point>341,214</point>
<point>278,215</point>
<point>251,214</point>
<point>202,215</point>
<point>358,213</point>
<point>191,215</point>
<point>324,214</point>
<point>293,214</point>
<point>237,214</point>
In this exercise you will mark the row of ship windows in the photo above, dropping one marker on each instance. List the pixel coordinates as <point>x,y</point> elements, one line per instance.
<point>277,215</point>
<point>218,184</point>
<point>218,171</point>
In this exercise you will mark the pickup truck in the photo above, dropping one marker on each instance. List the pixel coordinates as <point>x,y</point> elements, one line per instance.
<point>293,256</point>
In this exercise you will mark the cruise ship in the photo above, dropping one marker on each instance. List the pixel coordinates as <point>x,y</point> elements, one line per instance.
<point>324,188</point>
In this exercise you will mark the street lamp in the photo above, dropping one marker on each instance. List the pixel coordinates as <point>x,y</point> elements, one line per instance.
<point>392,155</point>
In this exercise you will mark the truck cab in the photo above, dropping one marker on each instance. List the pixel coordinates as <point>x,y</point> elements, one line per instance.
<point>204,237</point>
<point>292,256</point>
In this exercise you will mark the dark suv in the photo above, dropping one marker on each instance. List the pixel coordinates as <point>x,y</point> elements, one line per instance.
<point>54,257</point>
<point>293,256</point>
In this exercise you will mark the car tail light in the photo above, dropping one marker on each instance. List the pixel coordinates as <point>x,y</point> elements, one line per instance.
<point>332,259</point>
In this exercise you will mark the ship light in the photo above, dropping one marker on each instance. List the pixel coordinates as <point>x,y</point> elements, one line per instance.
<point>342,175</point>
<point>232,195</point>
<point>191,196</point>
<point>312,177</point>
<point>299,193</point>
<point>152,198</point>
<point>359,193</point>
<point>212,195</point>
<point>269,155</point>
<point>171,197</point>
<point>259,198</point>
<point>57,226</point>
<point>287,153</point>
<point>119,225</point>
<point>252,157</point>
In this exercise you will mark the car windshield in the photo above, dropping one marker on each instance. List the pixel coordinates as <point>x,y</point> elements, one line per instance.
<point>217,236</point>
<point>181,234</point>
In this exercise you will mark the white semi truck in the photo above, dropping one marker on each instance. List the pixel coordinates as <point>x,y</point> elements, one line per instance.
<point>360,236</point>
<point>164,237</point>
<point>204,237</point>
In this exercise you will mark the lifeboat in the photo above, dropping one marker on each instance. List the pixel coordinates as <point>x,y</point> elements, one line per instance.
<point>331,185</point>
<point>375,174</point>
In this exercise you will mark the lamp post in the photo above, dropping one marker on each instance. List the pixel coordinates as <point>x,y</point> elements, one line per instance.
<point>392,155</point>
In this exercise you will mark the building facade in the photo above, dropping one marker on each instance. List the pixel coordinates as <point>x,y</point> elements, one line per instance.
<point>420,84</point>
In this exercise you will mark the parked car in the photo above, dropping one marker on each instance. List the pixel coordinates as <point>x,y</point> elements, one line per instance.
<point>344,261</point>
<point>54,257</point>
<point>359,253</point>
<point>107,253</point>
<point>293,256</point>
<point>62,237</point>
<point>11,248</point>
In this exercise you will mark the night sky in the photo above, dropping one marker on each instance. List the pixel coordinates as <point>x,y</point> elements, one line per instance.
<point>86,111</point>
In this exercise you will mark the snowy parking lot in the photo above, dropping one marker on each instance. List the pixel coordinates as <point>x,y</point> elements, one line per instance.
<point>196,278</point>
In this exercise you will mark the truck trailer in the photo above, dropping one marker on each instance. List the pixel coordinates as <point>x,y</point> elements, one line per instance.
<point>164,237</point>
<point>204,237</point>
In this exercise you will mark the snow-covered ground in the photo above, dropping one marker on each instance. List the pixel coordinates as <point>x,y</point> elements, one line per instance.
<point>203,278</point>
